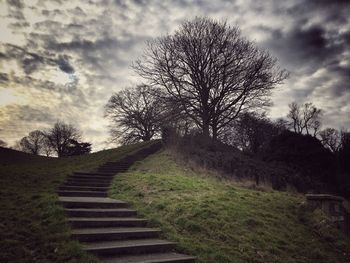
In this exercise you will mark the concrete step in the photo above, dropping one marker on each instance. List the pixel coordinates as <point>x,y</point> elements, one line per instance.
<point>114,166</point>
<point>119,163</point>
<point>170,257</point>
<point>84,222</point>
<point>82,193</point>
<point>111,171</point>
<point>90,202</point>
<point>116,233</point>
<point>94,177</point>
<point>94,173</point>
<point>137,246</point>
<point>90,212</point>
<point>87,183</point>
<point>83,180</point>
<point>84,188</point>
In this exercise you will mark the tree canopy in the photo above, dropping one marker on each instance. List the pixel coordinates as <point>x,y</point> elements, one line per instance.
<point>212,71</point>
<point>135,113</point>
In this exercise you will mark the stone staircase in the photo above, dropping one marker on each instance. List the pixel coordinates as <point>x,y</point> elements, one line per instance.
<point>108,228</point>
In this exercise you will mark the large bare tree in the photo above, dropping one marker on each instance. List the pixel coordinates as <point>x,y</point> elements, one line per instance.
<point>135,113</point>
<point>212,71</point>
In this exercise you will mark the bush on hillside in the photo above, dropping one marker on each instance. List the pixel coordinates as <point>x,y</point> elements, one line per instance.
<point>231,161</point>
<point>315,164</point>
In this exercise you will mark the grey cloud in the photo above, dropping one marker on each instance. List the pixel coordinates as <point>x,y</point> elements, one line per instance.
<point>15,3</point>
<point>64,65</point>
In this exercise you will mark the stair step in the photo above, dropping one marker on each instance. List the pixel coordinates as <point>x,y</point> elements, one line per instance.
<point>117,233</point>
<point>93,173</point>
<point>82,193</point>
<point>84,188</point>
<point>87,183</point>
<point>137,246</point>
<point>89,212</point>
<point>118,163</point>
<point>94,177</point>
<point>90,202</point>
<point>112,171</point>
<point>84,180</point>
<point>82,222</point>
<point>171,257</point>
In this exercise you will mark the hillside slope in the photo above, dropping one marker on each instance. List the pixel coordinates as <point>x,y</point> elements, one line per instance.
<point>32,225</point>
<point>218,221</point>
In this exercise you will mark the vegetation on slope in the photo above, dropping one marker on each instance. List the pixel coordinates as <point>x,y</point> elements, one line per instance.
<point>32,225</point>
<point>219,221</point>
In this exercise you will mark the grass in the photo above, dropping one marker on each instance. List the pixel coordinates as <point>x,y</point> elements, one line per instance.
<point>32,225</point>
<point>219,221</point>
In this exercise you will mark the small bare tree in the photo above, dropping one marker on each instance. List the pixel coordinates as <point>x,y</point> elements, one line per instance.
<point>305,118</point>
<point>135,114</point>
<point>212,71</point>
<point>33,143</point>
<point>60,136</point>
<point>334,139</point>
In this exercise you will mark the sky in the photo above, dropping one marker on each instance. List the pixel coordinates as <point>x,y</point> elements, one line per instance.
<point>62,60</point>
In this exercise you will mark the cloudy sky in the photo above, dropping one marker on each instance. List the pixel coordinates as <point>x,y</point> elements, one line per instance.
<point>62,60</point>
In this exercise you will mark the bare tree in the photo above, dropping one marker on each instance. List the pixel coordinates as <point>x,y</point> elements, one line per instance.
<point>331,138</point>
<point>135,114</point>
<point>212,71</point>
<point>305,118</point>
<point>33,143</point>
<point>60,136</point>
<point>47,148</point>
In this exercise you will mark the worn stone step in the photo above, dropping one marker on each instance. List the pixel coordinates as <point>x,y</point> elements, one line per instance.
<point>83,222</point>
<point>90,202</point>
<point>91,181</point>
<point>137,246</point>
<point>94,173</point>
<point>115,166</point>
<point>170,257</point>
<point>90,176</point>
<point>87,183</point>
<point>90,212</point>
<point>83,188</point>
<point>82,193</point>
<point>111,170</point>
<point>120,163</point>
<point>115,233</point>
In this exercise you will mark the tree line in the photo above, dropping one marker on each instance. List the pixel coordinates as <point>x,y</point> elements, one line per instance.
<point>60,140</point>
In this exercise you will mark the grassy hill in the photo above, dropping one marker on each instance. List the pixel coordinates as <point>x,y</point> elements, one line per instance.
<point>212,218</point>
<point>32,225</point>
<point>219,221</point>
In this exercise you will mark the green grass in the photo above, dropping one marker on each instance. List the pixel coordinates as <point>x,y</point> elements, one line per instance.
<point>218,221</point>
<point>32,225</point>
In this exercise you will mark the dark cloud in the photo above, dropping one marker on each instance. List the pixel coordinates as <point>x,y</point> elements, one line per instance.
<point>15,3</point>
<point>31,61</point>
<point>64,65</point>
<point>302,45</point>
